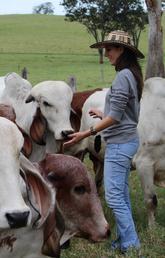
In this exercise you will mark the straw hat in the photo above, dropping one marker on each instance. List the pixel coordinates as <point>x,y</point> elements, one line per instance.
<point>119,37</point>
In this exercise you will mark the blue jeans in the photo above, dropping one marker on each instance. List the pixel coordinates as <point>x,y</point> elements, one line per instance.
<point>117,164</point>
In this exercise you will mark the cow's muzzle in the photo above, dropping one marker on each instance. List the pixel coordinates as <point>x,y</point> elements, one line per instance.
<point>66,133</point>
<point>17,219</point>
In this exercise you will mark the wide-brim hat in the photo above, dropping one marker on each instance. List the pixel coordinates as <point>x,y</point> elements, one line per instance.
<point>121,38</point>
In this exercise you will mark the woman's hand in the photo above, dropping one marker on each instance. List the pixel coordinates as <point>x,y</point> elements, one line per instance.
<point>96,113</point>
<point>74,138</point>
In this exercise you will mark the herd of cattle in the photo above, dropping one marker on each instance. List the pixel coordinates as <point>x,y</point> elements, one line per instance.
<point>47,195</point>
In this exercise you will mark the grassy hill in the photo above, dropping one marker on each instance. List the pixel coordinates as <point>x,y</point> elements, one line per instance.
<point>46,34</point>
<point>52,48</point>
<point>49,47</point>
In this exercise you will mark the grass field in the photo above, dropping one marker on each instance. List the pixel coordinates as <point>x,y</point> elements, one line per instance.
<point>53,49</point>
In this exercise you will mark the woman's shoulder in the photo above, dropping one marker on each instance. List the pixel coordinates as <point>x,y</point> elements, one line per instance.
<point>125,72</point>
<point>124,79</point>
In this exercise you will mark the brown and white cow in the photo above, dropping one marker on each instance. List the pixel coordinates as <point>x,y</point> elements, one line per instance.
<point>76,196</point>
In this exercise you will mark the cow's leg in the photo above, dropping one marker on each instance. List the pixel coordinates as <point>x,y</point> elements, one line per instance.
<point>146,173</point>
<point>98,175</point>
<point>81,155</point>
<point>98,169</point>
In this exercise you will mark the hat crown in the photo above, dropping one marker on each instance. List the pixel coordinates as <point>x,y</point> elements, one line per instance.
<point>120,36</point>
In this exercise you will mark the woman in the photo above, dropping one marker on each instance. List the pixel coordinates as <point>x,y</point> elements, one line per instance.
<point>119,126</point>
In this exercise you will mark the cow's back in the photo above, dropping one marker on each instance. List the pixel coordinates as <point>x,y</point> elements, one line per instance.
<point>152,112</point>
<point>96,100</point>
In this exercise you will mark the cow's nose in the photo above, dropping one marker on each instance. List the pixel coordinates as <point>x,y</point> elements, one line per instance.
<point>66,133</point>
<point>17,219</point>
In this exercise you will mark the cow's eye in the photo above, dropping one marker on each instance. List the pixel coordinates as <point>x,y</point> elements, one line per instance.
<point>79,189</point>
<point>46,104</point>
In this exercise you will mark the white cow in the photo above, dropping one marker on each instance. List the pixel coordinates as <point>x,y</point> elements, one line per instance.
<point>149,159</point>
<point>54,100</point>
<point>14,212</point>
<point>47,102</point>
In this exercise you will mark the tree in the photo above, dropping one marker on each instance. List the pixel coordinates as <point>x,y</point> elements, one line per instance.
<point>45,8</point>
<point>155,65</point>
<point>101,17</point>
<point>132,19</point>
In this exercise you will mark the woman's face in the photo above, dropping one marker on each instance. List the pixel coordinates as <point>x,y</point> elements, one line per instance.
<point>113,53</point>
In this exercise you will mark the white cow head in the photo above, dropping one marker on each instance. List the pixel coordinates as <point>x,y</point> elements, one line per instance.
<point>54,99</point>
<point>16,86</point>
<point>14,212</point>
<point>14,94</point>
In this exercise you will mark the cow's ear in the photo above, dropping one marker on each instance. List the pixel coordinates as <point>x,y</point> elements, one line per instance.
<point>75,120</point>
<point>29,99</point>
<point>40,190</point>
<point>54,227</point>
<point>7,112</point>
<point>56,178</point>
<point>38,128</point>
<point>27,146</point>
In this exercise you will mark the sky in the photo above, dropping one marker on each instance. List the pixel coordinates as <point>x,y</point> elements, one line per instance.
<point>26,6</point>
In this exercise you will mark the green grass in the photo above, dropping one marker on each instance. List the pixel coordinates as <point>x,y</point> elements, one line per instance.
<point>58,67</point>
<point>53,49</point>
<point>42,34</point>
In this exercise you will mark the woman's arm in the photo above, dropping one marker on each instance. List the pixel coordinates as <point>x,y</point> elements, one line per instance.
<point>76,137</point>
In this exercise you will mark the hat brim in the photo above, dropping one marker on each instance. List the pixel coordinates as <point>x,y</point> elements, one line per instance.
<point>104,44</point>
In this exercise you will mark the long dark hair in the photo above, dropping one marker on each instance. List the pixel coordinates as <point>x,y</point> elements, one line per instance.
<point>128,59</point>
